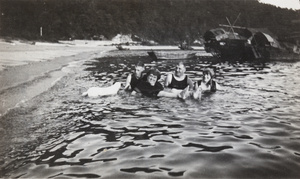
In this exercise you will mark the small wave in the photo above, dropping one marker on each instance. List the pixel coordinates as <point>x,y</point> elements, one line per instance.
<point>232,134</point>
<point>265,147</point>
<point>207,148</point>
<point>176,174</point>
<point>88,175</point>
<point>243,136</point>
<point>229,127</point>
<point>163,141</point>
<point>139,169</point>
<point>157,156</point>
<point>270,90</point>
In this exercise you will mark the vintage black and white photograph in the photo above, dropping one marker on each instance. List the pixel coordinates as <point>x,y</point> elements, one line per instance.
<point>150,89</point>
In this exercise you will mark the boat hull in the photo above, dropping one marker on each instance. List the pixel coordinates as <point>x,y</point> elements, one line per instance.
<point>254,45</point>
<point>168,55</point>
<point>229,48</point>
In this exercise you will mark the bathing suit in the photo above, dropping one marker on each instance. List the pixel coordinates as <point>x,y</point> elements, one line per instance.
<point>146,89</point>
<point>134,80</point>
<point>213,87</point>
<point>178,84</point>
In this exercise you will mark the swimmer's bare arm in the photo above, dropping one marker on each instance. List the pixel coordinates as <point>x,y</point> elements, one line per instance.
<point>168,81</point>
<point>127,84</point>
<point>218,86</point>
<point>136,91</point>
<point>190,83</point>
<point>168,94</point>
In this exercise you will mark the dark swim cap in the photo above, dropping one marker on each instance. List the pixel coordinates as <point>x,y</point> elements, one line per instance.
<point>141,64</point>
<point>154,72</point>
<point>209,71</point>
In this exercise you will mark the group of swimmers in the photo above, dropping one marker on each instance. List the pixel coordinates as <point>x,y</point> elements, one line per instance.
<point>176,84</point>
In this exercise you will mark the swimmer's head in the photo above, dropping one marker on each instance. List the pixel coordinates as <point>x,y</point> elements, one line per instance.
<point>208,74</point>
<point>140,64</point>
<point>209,71</point>
<point>180,69</point>
<point>153,76</point>
<point>139,68</point>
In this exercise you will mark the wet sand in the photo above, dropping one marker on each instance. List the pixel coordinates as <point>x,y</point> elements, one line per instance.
<point>27,70</point>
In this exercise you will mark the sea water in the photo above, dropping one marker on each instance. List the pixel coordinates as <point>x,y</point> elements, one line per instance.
<point>249,129</point>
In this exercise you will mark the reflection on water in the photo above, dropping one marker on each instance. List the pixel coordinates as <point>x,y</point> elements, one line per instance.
<point>250,129</point>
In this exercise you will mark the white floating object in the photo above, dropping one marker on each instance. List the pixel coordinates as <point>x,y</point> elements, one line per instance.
<point>102,91</point>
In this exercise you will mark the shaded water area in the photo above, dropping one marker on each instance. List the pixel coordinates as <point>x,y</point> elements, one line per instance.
<point>250,129</point>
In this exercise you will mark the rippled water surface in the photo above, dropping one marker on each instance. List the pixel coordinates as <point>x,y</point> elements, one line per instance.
<point>249,129</point>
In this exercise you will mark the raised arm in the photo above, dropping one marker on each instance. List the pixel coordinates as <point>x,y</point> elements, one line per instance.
<point>128,80</point>
<point>190,83</point>
<point>168,80</point>
<point>218,86</point>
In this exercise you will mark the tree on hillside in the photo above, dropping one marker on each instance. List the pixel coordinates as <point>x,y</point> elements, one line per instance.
<point>165,21</point>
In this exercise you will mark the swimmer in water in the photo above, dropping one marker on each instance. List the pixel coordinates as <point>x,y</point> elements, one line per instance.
<point>176,82</point>
<point>207,84</point>
<point>151,87</point>
<point>134,78</point>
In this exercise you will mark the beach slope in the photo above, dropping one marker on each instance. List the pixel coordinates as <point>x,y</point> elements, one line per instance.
<point>29,69</point>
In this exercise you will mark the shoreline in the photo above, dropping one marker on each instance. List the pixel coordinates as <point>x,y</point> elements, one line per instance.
<point>34,69</point>
<point>17,53</point>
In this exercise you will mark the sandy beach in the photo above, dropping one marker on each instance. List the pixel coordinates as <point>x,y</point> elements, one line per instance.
<point>28,69</point>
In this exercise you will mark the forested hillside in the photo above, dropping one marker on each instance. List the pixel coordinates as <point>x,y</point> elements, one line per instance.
<point>165,21</point>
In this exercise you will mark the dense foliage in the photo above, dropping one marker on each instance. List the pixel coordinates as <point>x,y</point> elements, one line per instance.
<point>165,21</point>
